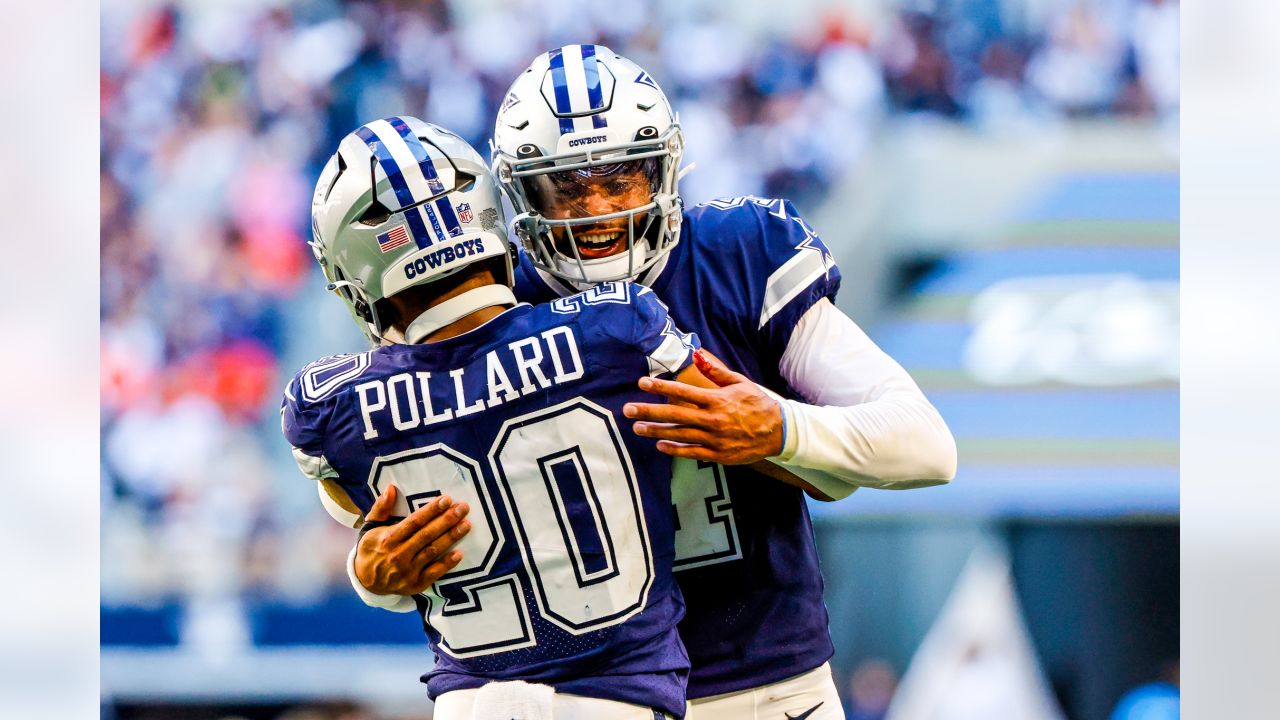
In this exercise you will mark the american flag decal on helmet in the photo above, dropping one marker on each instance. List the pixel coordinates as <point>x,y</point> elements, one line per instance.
<point>393,238</point>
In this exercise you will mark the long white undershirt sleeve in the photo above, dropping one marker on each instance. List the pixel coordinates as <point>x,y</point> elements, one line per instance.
<point>869,425</point>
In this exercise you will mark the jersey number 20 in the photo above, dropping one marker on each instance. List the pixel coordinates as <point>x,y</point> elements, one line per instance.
<point>589,570</point>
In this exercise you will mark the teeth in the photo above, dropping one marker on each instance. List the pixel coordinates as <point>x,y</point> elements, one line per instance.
<point>598,240</point>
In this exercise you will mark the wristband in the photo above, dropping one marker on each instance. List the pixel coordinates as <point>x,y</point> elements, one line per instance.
<point>783,412</point>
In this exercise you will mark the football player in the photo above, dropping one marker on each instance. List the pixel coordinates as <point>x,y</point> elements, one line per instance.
<point>509,413</point>
<point>588,150</point>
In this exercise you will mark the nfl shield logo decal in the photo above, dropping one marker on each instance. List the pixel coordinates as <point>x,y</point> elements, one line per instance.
<point>464,212</point>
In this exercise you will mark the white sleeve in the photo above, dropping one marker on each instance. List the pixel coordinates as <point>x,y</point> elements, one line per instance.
<point>869,424</point>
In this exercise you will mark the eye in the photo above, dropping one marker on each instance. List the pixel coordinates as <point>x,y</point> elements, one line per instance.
<point>575,192</point>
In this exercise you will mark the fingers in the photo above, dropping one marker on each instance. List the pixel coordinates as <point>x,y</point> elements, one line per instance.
<point>419,519</point>
<point>697,452</point>
<point>664,413</point>
<point>432,573</point>
<point>383,506</point>
<point>438,546</point>
<point>441,526</point>
<point>677,391</point>
<point>714,370</point>
<point>678,433</point>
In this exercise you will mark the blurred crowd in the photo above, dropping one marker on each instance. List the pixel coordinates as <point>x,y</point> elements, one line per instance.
<point>216,118</point>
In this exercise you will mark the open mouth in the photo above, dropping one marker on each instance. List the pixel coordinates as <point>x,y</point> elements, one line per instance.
<point>600,244</point>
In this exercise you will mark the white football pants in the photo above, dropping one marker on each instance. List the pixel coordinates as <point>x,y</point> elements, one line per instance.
<point>811,696</point>
<point>460,705</point>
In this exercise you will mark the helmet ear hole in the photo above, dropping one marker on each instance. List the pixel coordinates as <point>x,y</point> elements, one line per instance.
<point>342,166</point>
<point>376,214</point>
<point>648,132</point>
<point>464,182</point>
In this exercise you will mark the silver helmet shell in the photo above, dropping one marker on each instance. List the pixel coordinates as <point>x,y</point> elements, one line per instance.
<point>401,203</point>
<point>583,108</point>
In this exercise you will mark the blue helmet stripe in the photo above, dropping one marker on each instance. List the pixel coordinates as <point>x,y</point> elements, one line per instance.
<point>417,228</point>
<point>419,153</point>
<point>435,223</point>
<point>389,165</point>
<point>449,216</point>
<point>561,85</point>
<point>591,69</point>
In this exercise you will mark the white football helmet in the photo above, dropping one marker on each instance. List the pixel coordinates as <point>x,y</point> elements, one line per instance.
<point>403,202</point>
<point>582,113</point>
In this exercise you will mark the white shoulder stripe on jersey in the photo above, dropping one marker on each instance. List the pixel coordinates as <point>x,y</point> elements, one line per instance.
<point>316,467</point>
<point>788,281</point>
<point>671,354</point>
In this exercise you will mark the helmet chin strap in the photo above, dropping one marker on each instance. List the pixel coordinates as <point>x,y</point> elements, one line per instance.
<point>456,308</point>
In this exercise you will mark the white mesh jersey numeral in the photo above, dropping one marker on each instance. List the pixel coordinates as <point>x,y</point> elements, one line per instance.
<point>706,533</point>
<point>486,614</point>
<point>576,448</point>
<point>543,461</point>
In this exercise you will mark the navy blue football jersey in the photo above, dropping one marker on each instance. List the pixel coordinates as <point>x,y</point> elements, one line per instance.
<point>742,274</point>
<point>566,576</point>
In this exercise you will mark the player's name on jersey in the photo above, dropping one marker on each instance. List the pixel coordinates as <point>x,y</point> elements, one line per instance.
<point>410,400</point>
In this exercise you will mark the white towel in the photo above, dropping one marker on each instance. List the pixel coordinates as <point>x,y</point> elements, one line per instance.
<point>514,700</point>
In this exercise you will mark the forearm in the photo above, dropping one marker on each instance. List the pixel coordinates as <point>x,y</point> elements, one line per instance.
<point>897,443</point>
<point>866,423</point>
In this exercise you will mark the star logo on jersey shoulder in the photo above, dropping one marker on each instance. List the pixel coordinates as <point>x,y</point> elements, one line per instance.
<point>813,243</point>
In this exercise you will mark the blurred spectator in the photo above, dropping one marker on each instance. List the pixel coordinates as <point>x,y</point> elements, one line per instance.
<point>871,689</point>
<point>1079,66</point>
<point>918,69</point>
<point>1155,46</point>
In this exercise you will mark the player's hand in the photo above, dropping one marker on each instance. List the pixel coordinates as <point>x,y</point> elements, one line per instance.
<point>735,423</point>
<point>411,555</point>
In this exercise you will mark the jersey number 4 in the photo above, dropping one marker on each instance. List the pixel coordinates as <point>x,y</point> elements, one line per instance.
<point>706,533</point>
